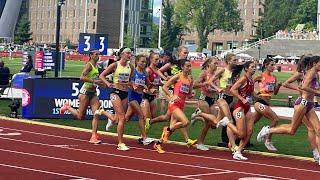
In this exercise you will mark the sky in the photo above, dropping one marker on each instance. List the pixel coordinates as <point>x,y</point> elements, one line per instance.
<point>156,7</point>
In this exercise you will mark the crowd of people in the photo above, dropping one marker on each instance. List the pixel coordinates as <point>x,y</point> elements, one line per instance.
<point>297,34</point>
<point>227,94</point>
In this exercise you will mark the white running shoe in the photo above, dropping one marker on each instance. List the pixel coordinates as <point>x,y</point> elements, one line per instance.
<point>123,147</point>
<point>238,156</point>
<point>109,125</point>
<point>147,141</point>
<point>194,115</point>
<point>223,122</point>
<point>202,147</point>
<point>263,133</point>
<point>99,111</point>
<point>269,145</point>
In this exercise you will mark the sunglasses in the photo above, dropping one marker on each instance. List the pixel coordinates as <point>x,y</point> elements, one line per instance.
<point>185,52</point>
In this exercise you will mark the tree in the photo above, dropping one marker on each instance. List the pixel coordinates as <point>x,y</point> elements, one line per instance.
<point>153,43</point>
<point>276,16</point>
<point>171,30</point>
<point>205,16</point>
<point>306,13</point>
<point>22,32</point>
<point>128,40</point>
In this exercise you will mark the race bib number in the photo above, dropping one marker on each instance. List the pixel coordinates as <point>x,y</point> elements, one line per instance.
<point>202,97</point>
<point>238,115</point>
<point>221,96</point>
<point>304,102</point>
<point>140,82</point>
<point>270,87</point>
<point>229,82</point>
<point>249,99</point>
<point>184,88</point>
<point>123,77</point>
<point>156,81</point>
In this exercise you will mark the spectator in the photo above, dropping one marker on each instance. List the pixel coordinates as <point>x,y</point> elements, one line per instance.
<point>28,66</point>
<point>4,77</point>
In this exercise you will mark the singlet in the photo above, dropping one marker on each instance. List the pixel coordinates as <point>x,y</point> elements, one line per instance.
<point>182,87</point>
<point>225,79</point>
<point>267,84</point>
<point>207,89</point>
<point>175,70</point>
<point>246,90</point>
<point>93,74</point>
<point>139,78</point>
<point>153,77</point>
<point>122,73</point>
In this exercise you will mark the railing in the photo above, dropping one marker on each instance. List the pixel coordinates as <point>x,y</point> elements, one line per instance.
<point>247,47</point>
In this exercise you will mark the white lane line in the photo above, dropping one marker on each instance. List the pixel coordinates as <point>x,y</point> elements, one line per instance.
<point>208,174</point>
<point>43,171</point>
<point>175,153</point>
<point>142,159</point>
<point>92,164</point>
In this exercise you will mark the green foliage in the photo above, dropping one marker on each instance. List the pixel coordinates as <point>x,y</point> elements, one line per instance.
<point>205,16</point>
<point>153,43</point>
<point>283,14</point>
<point>68,43</point>
<point>171,30</point>
<point>306,13</point>
<point>22,32</point>
<point>128,40</point>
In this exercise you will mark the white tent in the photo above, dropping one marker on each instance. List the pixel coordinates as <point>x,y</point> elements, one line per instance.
<point>244,56</point>
<point>278,57</point>
<point>293,57</point>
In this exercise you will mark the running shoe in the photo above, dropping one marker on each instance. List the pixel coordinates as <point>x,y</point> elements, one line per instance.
<point>64,108</point>
<point>109,124</point>
<point>191,142</point>
<point>194,115</point>
<point>263,133</point>
<point>123,147</point>
<point>165,134</point>
<point>202,147</point>
<point>223,122</point>
<point>158,148</point>
<point>147,141</point>
<point>233,149</point>
<point>95,139</point>
<point>269,145</point>
<point>238,156</point>
<point>99,111</point>
<point>147,125</point>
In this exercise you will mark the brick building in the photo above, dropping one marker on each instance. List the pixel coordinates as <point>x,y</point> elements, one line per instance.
<point>250,12</point>
<point>102,16</point>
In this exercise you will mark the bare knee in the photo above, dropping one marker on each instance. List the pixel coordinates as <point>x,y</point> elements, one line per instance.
<point>242,135</point>
<point>185,123</point>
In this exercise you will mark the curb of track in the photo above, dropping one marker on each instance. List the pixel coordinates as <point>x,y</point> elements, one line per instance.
<point>27,121</point>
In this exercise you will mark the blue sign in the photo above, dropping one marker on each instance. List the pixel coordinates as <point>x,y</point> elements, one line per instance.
<point>43,97</point>
<point>88,42</point>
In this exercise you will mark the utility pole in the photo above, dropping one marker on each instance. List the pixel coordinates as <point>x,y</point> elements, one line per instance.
<point>123,10</point>
<point>160,22</point>
<point>85,16</point>
<point>56,67</point>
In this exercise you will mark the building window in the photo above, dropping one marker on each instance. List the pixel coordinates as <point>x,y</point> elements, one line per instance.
<point>93,25</point>
<point>94,12</point>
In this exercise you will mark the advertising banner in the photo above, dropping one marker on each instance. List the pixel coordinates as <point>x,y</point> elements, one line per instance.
<point>43,97</point>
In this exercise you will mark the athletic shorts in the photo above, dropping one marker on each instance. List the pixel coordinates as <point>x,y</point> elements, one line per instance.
<point>229,99</point>
<point>245,107</point>
<point>263,102</point>
<point>175,105</point>
<point>122,94</point>
<point>90,94</point>
<point>304,102</point>
<point>209,100</point>
<point>134,96</point>
<point>149,97</point>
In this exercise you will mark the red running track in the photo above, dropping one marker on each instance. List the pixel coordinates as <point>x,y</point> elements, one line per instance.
<point>42,152</point>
